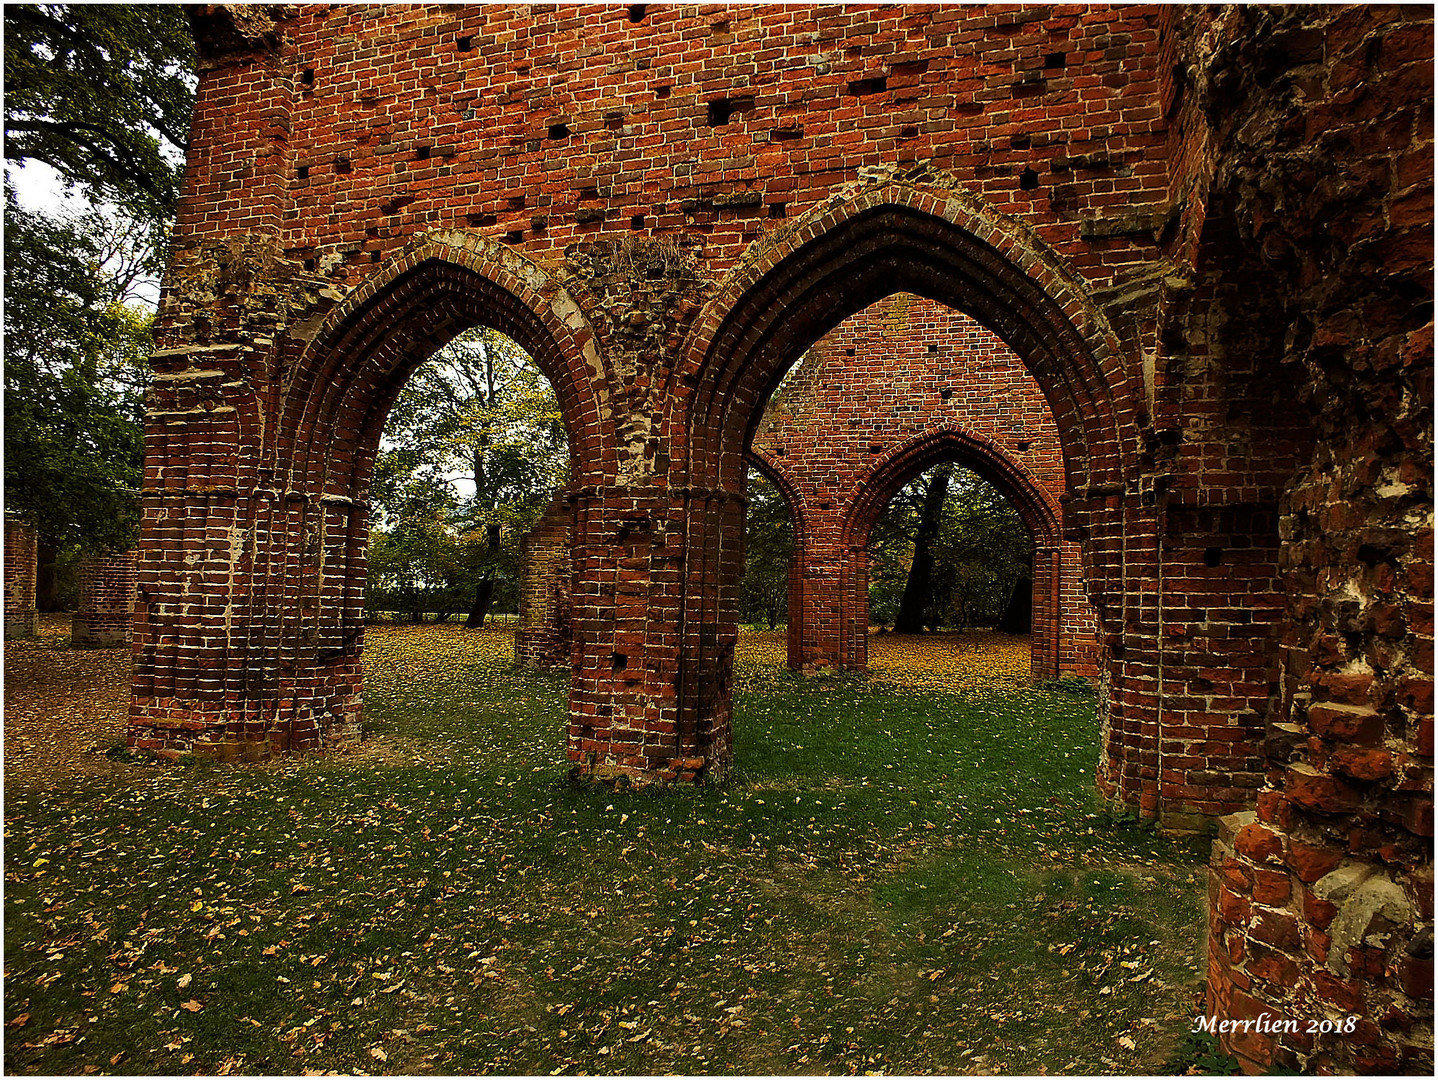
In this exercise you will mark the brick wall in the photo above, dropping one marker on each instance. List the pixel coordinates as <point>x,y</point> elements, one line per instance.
<point>667,213</point>
<point>883,396</point>
<point>21,620</point>
<point>544,638</point>
<point>106,607</point>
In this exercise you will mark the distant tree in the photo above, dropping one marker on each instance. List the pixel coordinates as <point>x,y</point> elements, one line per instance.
<point>102,93</point>
<point>474,442</point>
<point>950,546</point>
<point>981,553</point>
<point>768,549</point>
<point>75,364</point>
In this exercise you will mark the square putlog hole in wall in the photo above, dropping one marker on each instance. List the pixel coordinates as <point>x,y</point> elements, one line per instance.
<point>723,110</point>
<point>864,87</point>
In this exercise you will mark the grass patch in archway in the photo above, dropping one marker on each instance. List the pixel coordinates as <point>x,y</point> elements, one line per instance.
<point>893,880</point>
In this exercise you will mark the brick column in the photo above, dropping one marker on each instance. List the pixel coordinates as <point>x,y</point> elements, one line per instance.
<point>21,545</point>
<point>655,618</point>
<point>544,639</point>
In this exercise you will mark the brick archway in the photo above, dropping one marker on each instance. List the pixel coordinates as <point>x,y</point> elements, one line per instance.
<point>340,388</point>
<point>789,291</point>
<point>883,481</point>
<point>282,669</point>
<point>949,247</point>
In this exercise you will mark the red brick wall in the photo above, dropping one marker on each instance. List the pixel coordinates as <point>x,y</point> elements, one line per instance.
<point>544,638</point>
<point>365,182</point>
<point>888,392</point>
<point>21,549</point>
<point>106,607</point>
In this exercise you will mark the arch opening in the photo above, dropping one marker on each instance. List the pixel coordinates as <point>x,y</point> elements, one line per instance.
<point>885,395</point>
<point>472,453</point>
<point>842,266</point>
<point>1029,539</point>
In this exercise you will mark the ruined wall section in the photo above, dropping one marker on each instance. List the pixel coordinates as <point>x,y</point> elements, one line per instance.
<point>899,373</point>
<point>652,166</point>
<point>1322,898</point>
<point>636,162</point>
<point>106,609</point>
<point>21,553</point>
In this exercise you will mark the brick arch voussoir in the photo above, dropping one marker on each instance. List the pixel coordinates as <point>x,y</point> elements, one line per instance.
<point>775,473</point>
<point>887,475</point>
<point>437,285</point>
<point>727,369</point>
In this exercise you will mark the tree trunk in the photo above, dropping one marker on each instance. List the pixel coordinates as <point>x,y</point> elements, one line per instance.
<point>910,619</point>
<point>47,593</point>
<point>483,596</point>
<point>484,591</point>
<point>1019,616</point>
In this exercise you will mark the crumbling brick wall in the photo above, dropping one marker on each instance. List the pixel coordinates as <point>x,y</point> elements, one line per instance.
<point>1309,135</point>
<point>21,550</point>
<point>543,638</point>
<point>889,392</point>
<point>106,607</point>
<point>665,233</point>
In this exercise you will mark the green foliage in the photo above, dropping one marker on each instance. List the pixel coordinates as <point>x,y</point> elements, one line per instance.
<point>74,369</point>
<point>472,451</point>
<point>1198,1054</point>
<point>980,552</point>
<point>102,93</point>
<point>768,549</point>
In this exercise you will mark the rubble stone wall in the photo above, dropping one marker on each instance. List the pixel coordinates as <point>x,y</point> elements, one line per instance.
<point>1313,269</point>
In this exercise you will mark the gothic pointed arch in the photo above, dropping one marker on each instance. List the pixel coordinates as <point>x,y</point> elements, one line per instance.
<point>886,476</point>
<point>1041,517</point>
<point>947,246</point>
<point>340,388</point>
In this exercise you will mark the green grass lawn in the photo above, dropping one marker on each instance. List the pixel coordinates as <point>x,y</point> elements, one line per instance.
<point>893,880</point>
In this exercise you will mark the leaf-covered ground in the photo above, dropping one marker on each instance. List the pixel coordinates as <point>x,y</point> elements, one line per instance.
<point>900,876</point>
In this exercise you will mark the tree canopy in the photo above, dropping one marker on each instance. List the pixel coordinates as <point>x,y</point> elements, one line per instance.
<point>472,451</point>
<point>74,372</point>
<point>102,93</point>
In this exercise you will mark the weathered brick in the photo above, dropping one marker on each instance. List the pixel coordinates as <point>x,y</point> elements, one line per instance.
<point>21,620</point>
<point>1225,304</point>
